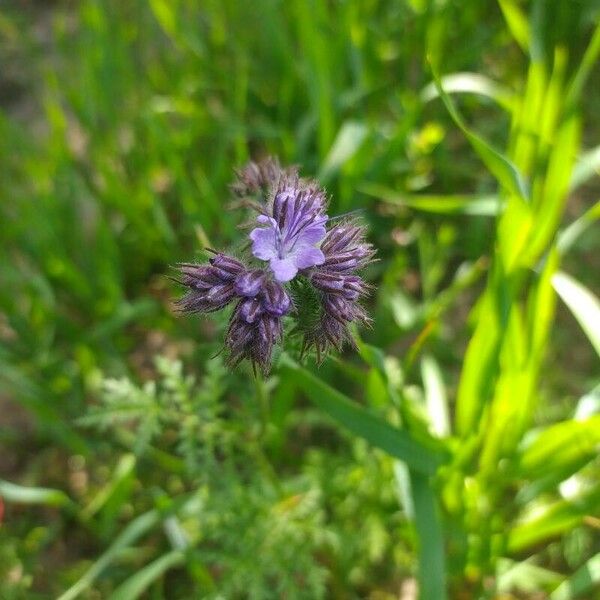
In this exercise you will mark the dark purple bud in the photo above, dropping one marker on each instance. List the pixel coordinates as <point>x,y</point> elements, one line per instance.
<point>344,310</point>
<point>259,177</point>
<point>239,339</point>
<point>226,267</point>
<point>250,309</point>
<point>275,299</point>
<point>353,287</point>
<point>252,340</point>
<point>349,286</point>
<point>250,283</point>
<point>328,282</point>
<point>338,307</point>
<point>269,329</point>
<point>200,277</point>
<point>341,238</point>
<point>348,261</point>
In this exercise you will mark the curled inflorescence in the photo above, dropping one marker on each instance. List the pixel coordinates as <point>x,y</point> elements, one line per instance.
<point>308,270</point>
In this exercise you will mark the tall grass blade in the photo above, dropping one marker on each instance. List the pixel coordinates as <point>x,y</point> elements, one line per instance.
<point>471,83</point>
<point>432,557</point>
<point>579,585</point>
<point>582,303</point>
<point>135,530</point>
<point>396,442</point>
<point>505,172</point>
<point>137,584</point>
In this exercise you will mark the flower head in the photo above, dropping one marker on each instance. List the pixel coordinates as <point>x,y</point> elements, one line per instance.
<point>259,177</point>
<point>291,234</point>
<point>340,288</point>
<point>291,229</point>
<point>255,327</point>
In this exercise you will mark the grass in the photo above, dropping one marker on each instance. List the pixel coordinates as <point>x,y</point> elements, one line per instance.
<point>466,134</point>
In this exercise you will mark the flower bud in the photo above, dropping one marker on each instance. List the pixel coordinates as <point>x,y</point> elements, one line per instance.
<point>249,283</point>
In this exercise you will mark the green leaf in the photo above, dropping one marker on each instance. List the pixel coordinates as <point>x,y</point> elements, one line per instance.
<point>465,204</point>
<point>122,473</point>
<point>554,520</point>
<point>396,442</point>
<point>136,529</point>
<point>435,395</point>
<point>561,445</point>
<point>582,303</point>
<point>517,22</point>
<point>133,587</point>
<point>479,367</point>
<point>471,83</point>
<point>432,561</point>
<point>583,581</point>
<point>524,576</point>
<point>349,139</point>
<point>570,234</point>
<point>11,492</point>
<point>505,172</point>
<point>584,69</point>
<point>550,207</point>
<point>586,167</point>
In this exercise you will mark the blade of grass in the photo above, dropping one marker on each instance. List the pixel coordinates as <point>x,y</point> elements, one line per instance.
<point>586,167</point>
<point>466,204</point>
<point>432,558</point>
<point>582,303</point>
<point>560,445</point>
<point>505,172</point>
<point>517,22</point>
<point>583,581</point>
<point>586,65</point>
<point>122,473</point>
<point>471,83</point>
<point>136,529</point>
<point>137,584</point>
<point>568,236</point>
<point>555,520</point>
<point>349,139</point>
<point>396,442</point>
<point>19,494</point>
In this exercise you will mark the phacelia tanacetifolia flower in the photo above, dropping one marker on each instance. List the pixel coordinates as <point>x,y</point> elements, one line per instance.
<point>256,326</point>
<point>303,255</point>
<point>257,178</point>
<point>340,289</point>
<point>293,226</point>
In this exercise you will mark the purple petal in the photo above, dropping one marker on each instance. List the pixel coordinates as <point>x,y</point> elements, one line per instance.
<point>311,235</point>
<point>284,269</point>
<point>308,257</point>
<point>264,244</point>
<point>266,219</point>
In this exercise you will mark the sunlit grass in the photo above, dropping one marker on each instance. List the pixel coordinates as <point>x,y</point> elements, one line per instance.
<point>461,132</point>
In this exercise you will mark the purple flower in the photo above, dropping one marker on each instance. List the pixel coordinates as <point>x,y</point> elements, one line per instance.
<point>340,288</point>
<point>345,249</point>
<point>259,177</point>
<point>256,326</point>
<point>292,230</point>
<point>210,286</point>
<point>252,335</point>
<point>292,236</point>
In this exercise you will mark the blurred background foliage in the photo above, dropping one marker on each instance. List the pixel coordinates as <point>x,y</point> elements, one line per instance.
<point>134,464</point>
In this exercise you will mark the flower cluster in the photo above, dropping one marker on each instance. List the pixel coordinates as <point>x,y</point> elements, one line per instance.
<point>291,235</point>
